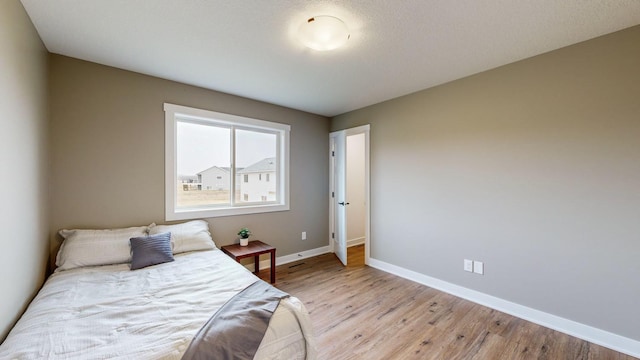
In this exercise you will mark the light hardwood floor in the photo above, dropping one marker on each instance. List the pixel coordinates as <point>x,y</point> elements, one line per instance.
<point>360,312</point>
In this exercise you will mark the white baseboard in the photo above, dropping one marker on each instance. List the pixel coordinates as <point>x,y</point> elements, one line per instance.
<point>281,260</point>
<point>594,335</point>
<point>355,242</point>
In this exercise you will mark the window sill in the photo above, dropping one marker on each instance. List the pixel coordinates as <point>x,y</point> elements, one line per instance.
<point>219,212</point>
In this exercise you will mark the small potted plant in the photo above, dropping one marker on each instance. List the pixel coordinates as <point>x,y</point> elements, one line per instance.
<point>244,234</point>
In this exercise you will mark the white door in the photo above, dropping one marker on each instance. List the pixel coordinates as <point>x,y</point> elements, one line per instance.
<point>339,194</point>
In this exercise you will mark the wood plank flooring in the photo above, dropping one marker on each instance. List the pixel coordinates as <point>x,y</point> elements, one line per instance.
<point>359,312</point>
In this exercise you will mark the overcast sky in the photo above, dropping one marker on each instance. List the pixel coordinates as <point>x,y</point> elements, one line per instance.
<point>201,147</point>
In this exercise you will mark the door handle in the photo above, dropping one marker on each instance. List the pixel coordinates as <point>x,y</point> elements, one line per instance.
<point>343,203</point>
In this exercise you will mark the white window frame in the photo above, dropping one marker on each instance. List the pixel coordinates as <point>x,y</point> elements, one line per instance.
<point>175,113</point>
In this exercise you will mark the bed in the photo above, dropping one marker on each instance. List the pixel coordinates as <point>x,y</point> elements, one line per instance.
<point>110,311</point>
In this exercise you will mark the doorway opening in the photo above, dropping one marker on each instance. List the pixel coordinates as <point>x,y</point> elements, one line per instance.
<point>356,211</point>
<point>349,201</point>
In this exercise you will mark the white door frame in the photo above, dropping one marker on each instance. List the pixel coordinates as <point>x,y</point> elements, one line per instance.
<point>364,129</point>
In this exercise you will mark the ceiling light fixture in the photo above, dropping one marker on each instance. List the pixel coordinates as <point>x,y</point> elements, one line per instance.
<point>323,32</point>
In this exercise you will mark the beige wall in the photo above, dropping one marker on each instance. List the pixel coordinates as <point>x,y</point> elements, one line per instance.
<point>107,135</point>
<point>23,162</point>
<point>533,168</point>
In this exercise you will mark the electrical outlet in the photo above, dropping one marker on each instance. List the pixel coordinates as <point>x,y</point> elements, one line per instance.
<point>478,267</point>
<point>304,235</point>
<point>468,265</point>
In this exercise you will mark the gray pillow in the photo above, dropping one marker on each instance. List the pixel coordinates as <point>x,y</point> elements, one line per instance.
<point>150,250</point>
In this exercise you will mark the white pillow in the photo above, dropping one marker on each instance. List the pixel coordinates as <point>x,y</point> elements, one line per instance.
<point>190,236</point>
<point>96,247</point>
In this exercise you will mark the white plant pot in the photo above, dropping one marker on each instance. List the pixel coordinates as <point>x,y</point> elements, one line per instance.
<point>244,242</point>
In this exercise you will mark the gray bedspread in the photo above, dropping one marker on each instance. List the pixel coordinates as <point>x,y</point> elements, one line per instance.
<point>236,330</point>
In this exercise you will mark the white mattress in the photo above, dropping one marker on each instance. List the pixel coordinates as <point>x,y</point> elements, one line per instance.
<point>110,312</point>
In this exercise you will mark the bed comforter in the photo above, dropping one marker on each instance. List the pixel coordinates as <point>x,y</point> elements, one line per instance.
<point>110,312</point>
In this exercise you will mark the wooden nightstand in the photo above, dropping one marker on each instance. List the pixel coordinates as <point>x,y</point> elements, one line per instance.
<point>255,249</point>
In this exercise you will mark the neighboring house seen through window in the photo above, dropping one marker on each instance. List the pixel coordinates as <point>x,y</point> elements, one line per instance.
<point>214,151</point>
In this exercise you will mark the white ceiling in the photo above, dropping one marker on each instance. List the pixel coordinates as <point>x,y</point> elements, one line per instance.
<point>248,47</point>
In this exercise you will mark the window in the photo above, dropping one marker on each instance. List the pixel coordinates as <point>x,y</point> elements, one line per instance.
<point>218,149</point>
